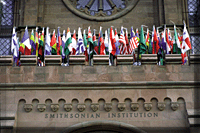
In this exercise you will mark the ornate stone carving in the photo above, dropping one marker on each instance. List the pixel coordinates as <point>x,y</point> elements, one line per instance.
<point>121,106</point>
<point>68,107</point>
<point>108,107</point>
<point>28,107</point>
<point>134,106</point>
<point>147,106</point>
<point>94,106</point>
<point>174,105</point>
<point>54,107</point>
<point>161,106</point>
<point>41,107</point>
<point>81,107</point>
<point>97,10</point>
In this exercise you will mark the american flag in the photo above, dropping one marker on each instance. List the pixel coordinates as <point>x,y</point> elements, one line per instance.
<point>133,41</point>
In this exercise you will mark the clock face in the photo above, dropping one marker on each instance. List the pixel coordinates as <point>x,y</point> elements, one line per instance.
<point>100,10</point>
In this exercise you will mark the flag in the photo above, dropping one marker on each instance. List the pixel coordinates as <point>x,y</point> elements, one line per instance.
<point>137,35</point>
<point>177,42</point>
<point>101,43</point>
<point>163,38</point>
<point>41,44</point>
<point>32,42</point>
<point>186,45</point>
<point>36,40</point>
<point>117,44</point>
<point>90,44</point>
<point>127,43</point>
<point>26,42</point>
<point>53,44</point>
<point>122,41</point>
<point>147,39</point>
<point>80,47</point>
<point>74,44</point>
<point>106,42</point>
<point>14,46</point>
<point>68,43</point>
<point>112,48</point>
<point>133,41</point>
<point>96,47</point>
<point>155,42</point>
<point>142,49</point>
<point>47,50</point>
<point>85,44</point>
<point>168,42</point>
<point>59,42</point>
<point>62,48</point>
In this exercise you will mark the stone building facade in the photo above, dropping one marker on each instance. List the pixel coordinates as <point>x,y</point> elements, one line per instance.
<point>100,98</point>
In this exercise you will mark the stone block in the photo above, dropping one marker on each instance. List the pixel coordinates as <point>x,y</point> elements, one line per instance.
<point>28,77</point>
<point>73,78</point>
<point>116,77</point>
<point>113,69</point>
<point>65,70</point>
<point>88,70</point>
<point>39,77</point>
<point>137,69</point>
<point>150,77</point>
<point>3,78</point>
<point>15,78</point>
<point>104,77</point>
<point>89,77</point>
<point>77,69</point>
<point>101,69</point>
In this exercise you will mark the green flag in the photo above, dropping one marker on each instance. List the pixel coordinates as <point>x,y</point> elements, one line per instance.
<point>142,43</point>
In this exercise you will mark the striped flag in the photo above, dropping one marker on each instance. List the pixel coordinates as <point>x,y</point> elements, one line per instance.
<point>126,51</point>
<point>122,41</point>
<point>85,44</point>
<point>133,41</point>
<point>168,48</point>
<point>26,42</point>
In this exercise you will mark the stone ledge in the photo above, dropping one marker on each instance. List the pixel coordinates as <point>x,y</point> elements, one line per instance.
<point>51,60</point>
<point>102,85</point>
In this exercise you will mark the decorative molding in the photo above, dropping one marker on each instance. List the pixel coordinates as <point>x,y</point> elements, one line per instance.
<point>28,107</point>
<point>41,107</point>
<point>148,106</point>
<point>54,107</point>
<point>101,86</point>
<point>81,107</point>
<point>121,106</point>
<point>94,106</point>
<point>68,107</point>
<point>108,107</point>
<point>174,105</point>
<point>161,106</point>
<point>134,106</point>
